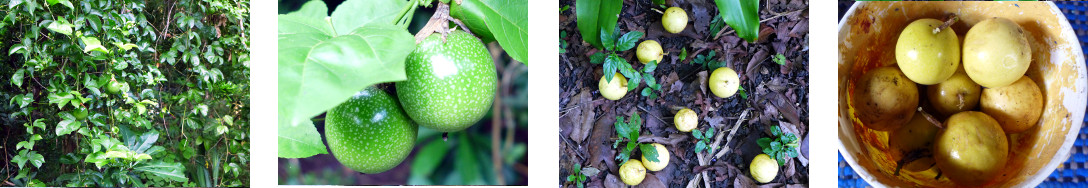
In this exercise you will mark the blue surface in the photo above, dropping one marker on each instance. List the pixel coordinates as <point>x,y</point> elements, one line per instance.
<point>1074,171</point>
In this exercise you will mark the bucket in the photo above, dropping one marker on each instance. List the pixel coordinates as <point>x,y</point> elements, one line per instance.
<point>867,36</point>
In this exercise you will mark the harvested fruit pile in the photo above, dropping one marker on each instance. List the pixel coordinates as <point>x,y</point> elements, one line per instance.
<point>969,146</point>
<point>748,99</point>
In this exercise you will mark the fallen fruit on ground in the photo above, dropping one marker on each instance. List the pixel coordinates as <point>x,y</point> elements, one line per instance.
<point>450,85</point>
<point>724,82</point>
<point>662,159</point>
<point>686,120</point>
<point>1017,106</point>
<point>996,52</point>
<point>674,20</point>
<point>972,148</point>
<point>924,56</point>
<point>370,133</point>
<point>632,172</point>
<point>885,99</point>
<point>649,50</point>
<point>763,168</point>
<point>615,89</point>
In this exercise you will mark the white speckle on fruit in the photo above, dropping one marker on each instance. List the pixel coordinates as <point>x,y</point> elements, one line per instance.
<point>378,116</point>
<point>443,67</point>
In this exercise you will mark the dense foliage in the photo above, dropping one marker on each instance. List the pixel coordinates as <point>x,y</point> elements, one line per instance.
<point>125,92</point>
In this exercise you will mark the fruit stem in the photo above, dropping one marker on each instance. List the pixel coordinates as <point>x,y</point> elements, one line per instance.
<point>439,23</point>
<point>930,118</point>
<point>952,18</point>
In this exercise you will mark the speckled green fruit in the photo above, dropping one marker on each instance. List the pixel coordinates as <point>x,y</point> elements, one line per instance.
<point>450,85</point>
<point>114,87</point>
<point>370,133</point>
<point>80,113</point>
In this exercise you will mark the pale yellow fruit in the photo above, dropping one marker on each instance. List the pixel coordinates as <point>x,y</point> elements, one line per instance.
<point>958,93</point>
<point>972,148</point>
<point>662,158</point>
<point>649,50</point>
<point>724,82</point>
<point>674,20</point>
<point>996,52</point>
<point>763,168</point>
<point>885,99</point>
<point>615,89</point>
<point>1017,106</point>
<point>632,172</point>
<point>925,57</point>
<point>686,120</point>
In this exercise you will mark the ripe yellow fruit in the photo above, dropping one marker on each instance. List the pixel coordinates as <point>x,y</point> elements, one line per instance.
<point>971,149</point>
<point>724,82</point>
<point>686,120</point>
<point>613,90</point>
<point>1017,106</point>
<point>674,20</point>
<point>763,168</point>
<point>958,93</point>
<point>662,159</point>
<point>925,57</point>
<point>996,52</point>
<point>632,172</point>
<point>649,50</point>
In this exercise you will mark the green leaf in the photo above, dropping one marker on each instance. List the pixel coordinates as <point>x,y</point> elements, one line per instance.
<point>202,109</point>
<point>23,100</point>
<point>610,67</point>
<point>776,146</point>
<point>92,44</point>
<point>683,54</point>
<point>299,141</point>
<point>220,130</point>
<point>61,26</point>
<point>509,21</point>
<point>598,58</point>
<point>471,13</point>
<point>18,48</point>
<point>124,46</point>
<point>318,71</point>
<point>593,16</point>
<point>700,146</point>
<point>169,171</point>
<point>67,126</point>
<point>628,41</point>
<point>742,16</point>
<point>60,100</point>
<point>24,144</point>
<point>313,9</point>
<point>35,159</point>
<point>710,132</point>
<point>466,160</point>
<point>779,59</point>
<point>697,134</point>
<point>650,67</point>
<point>649,152</point>
<point>66,3</point>
<point>646,91</point>
<point>608,40</point>
<point>17,79</point>
<point>354,14</point>
<point>764,142</point>
<point>20,159</point>
<point>428,158</point>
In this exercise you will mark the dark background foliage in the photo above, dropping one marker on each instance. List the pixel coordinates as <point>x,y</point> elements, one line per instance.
<point>181,117</point>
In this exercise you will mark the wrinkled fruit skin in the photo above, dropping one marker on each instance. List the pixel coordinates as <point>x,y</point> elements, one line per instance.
<point>450,85</point>
<point>674,20</point>
<point>996,52</point>
<point>885,99</point>
<point>918,134</point>
<point>724,82</point>
<point>763,168</point>
<point>662,157</point>
<point>370,133</point>
<point>972,148</point>
<point>925,57</point>
<point>958,93</point>
<point>686,120</point>
<point>649,50</point>
<point>632,172</point>
<point>613,90</point>
<point>1017,106</point>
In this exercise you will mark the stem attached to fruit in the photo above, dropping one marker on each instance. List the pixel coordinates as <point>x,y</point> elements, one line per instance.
<point>439,22</point>
<point>952,18</point>
<point>930,118</point>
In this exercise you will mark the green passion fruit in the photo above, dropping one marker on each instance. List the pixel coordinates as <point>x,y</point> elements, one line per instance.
<point>370,133</point>
<point>450,85</point>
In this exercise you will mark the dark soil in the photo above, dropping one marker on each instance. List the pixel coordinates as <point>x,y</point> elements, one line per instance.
<point>777,95</point>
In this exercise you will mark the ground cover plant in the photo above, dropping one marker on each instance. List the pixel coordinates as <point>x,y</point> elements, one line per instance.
<point>745,134</point>
<point>124,93</point>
